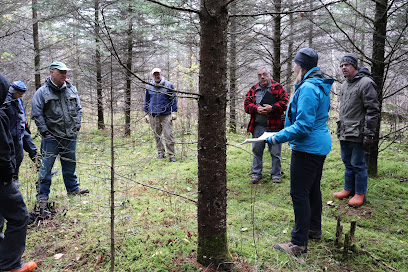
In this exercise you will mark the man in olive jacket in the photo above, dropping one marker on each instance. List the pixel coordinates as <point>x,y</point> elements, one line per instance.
<point>57,113</point>
<point>356,127</point>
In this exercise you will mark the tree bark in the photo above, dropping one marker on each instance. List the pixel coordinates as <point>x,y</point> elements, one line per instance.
<point>212,247</point>
<point>310,33</point>
<point>276,73</point>
<point>289,81</point>
<point>128,90</point>
<point>37,68</point>
<point>378,68</point>
<point>233,75</point>
<point>101,122</point>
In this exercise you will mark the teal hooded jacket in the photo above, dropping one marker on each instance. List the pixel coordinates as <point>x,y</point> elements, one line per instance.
<point>306,127</point>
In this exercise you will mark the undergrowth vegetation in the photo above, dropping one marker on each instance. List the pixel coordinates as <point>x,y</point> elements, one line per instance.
<point>155,212</point>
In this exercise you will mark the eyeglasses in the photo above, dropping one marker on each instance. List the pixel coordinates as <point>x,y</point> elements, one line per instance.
<point>264,74</point>
<point>345,65</point>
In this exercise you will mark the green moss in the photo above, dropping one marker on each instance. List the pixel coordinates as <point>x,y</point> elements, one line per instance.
<point>213,251</point>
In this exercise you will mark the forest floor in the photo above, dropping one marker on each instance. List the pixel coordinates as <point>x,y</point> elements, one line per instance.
<point>155,213</point>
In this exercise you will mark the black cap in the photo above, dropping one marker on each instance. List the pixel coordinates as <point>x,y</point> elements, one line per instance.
<point>306,58</point>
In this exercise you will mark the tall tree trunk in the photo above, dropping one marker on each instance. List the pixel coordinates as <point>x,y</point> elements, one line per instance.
<point>310,15</point>
<point>101,122</point>
<point>277,42</point>
<point>289,81</point>
<point>377,68</point>
<point>128,91</point>
<point>233,75</point>
<point>37,68</point>
<point>212,179</point>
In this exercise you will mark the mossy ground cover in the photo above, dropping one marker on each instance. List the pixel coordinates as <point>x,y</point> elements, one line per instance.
<point>156,229</point>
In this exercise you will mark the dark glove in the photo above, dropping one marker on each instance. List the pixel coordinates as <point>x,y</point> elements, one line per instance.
<point>46,133</point>
<point>368,141</point>
<point>37,161</point>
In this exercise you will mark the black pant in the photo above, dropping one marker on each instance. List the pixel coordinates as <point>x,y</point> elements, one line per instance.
<point>305,174</point>
<point>14,210</point>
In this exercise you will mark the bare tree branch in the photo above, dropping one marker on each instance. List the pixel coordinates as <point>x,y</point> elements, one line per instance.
<point>173,7</point>
<point>114,52</point>
<point>358,12</point>
<point>397,91</point>
<point>289,12</point>
<point>347,36</point>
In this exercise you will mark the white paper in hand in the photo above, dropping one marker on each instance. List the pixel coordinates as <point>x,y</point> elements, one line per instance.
<point>261,138</point>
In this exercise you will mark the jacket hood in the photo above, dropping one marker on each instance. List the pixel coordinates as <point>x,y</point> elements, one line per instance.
<point>4,87</point>
<point>316,77</point>
<point>362,72</point>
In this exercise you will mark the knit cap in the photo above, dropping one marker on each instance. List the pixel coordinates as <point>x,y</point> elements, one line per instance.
<point>350,58</point>
<point>306,58</point>
<point>17,87</point>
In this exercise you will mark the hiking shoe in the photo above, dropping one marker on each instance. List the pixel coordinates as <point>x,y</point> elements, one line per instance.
<point>79,191</point>
<point>315,234</point>
<point>42,202</point>
<point>342,194</point>
<point>276,180</point>
<point>27,267</point>
<point>357,200</point>
<point>173,159</point>
<point>160,156</point>
<point>255,179</point>
<point>292,249</point>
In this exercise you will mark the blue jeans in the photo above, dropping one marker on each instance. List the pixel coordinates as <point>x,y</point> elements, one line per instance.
<point>14,210</point>
<point>355,175</point>
<point>257,151</point>
<point>305,175</point>
<point>51,147</point>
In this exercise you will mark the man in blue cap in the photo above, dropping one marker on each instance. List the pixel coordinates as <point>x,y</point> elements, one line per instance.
<point>57,112</point>
<point>17,121</point>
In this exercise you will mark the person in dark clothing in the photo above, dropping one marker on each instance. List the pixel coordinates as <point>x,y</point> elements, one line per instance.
<point>265,117</point>
<point>17,120</point>
<point>307,132</point>
<point>12,206</point>
<point>28,143</point>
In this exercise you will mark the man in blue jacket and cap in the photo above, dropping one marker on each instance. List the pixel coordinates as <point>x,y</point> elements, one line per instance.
<point>161,107</point>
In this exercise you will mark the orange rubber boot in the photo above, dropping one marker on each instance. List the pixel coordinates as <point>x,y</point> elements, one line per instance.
<point>27,267</point>
<point>342,194</point>
<point>356,201</point>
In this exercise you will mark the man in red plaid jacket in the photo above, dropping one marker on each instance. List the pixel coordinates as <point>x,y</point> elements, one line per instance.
<point>266,102</point>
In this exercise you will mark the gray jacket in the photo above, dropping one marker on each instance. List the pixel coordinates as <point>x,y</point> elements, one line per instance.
<point>359,108</point>
<point>57,110</point>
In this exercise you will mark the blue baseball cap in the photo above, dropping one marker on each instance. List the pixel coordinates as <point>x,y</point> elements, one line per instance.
<point>59,65</point>
<point>18,87</point>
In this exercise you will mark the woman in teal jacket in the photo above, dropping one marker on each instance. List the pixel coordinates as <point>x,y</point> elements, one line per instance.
<point>308,135</point>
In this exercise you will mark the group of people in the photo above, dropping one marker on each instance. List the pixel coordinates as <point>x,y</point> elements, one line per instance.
<point>56,111</point>
<point>305,128</point>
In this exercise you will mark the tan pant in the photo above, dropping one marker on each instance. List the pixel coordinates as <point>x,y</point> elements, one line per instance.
<point>162,128</point>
